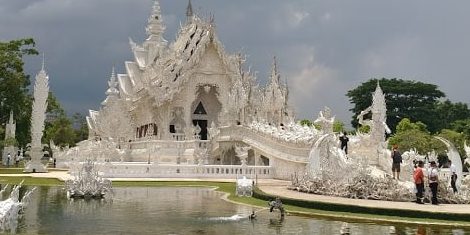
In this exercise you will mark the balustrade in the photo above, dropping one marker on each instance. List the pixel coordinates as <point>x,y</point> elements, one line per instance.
<point>135,170</point>
<point>267,143</point>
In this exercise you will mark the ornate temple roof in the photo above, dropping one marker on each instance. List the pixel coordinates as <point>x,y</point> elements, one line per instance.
<point>160,69</point>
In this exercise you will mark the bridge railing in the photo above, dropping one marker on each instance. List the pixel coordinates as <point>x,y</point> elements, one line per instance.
<point>183,144</point>
<point>298,152</point>
<point>142,170</point>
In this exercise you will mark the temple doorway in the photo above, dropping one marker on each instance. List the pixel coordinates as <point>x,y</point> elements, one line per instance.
<point>205,108</point>
<point>203,125</point>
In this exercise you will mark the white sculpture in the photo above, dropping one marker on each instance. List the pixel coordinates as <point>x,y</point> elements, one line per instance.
<point>325,120</point>
<point>11,208</point>
<point>467,151</point>
<point>454,156</point>
<point>38,116</point>
<point>88,183</point>
<point>9,148</point>
<point>242,154</point>
<point>244,187</point>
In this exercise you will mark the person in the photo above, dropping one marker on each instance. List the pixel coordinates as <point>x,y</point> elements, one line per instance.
<point>418,177</point>
<point>396,161</point>
<point>453,176</point>
<point>433,182</point>
<point>8,159</point>
<point>344,142</point>
<point>17,160</point>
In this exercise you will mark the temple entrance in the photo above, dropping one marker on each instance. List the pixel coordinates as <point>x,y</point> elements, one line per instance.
<point>203,125</point>
<point>205,108</point>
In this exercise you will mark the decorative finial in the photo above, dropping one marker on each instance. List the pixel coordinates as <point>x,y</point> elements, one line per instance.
<point>43,61</point>
<point>113,73</point>
<point>155,25</point>
<point>189,10</point>
<point>274,64</point>
<point>275,77</point>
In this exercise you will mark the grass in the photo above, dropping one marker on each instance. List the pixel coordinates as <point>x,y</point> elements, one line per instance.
<point>28,180</point>
<point>229,190</point>
<point>11,170</point>
<point>19,170</point>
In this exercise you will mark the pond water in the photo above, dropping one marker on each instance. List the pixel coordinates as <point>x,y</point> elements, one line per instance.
<point>179,210</point>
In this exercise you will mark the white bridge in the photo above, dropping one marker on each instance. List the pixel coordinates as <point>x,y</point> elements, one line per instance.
<point>156,158</point>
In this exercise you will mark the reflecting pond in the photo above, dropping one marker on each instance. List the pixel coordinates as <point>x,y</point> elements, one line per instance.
<point>179,210</point>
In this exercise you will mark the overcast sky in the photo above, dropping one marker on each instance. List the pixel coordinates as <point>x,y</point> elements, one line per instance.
<point>324,48</point>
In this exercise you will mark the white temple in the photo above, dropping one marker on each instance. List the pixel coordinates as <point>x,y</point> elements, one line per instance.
<point>171,87</point>
<point>188,109</point>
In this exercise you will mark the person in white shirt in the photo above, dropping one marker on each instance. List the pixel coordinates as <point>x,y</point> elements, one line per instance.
<point>8,159</point>
<point>433,182</point>
<point>453,176</point>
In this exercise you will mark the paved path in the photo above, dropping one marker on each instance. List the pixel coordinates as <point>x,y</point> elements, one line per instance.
<point>279,188</point>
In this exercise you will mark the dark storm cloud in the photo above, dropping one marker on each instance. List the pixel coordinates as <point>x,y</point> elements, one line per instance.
<point>324,48</point>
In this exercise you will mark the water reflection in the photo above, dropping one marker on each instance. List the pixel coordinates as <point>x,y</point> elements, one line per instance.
<point>139,210</point>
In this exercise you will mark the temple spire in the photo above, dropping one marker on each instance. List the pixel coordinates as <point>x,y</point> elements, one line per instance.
<point>112,83</point>
<point>112,93</point>
<point>155,25</point>
<point>275,76</point>
<point>43,62</point>
<point>189,10</point>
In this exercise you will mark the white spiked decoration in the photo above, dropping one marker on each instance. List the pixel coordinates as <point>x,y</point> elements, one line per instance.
<point>38,116</point>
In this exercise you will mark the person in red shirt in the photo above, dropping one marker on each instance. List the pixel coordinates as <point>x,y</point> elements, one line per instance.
<point>418,177</point>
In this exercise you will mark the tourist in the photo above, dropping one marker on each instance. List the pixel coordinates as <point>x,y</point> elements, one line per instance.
<point>453,176</point>
<point>418,177</point>
<point>8,159</point>
<point>17,160</point>
<point>433,181</point>
<point>396,161</point>
<point>344,142</point>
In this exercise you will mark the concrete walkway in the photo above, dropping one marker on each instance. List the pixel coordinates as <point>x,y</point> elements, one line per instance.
<point>279,188</point>
<point>282,191</point>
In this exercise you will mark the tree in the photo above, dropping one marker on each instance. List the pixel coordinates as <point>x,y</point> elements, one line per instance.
<point>411,135</point>
<point>449,112</point>
<point>306,122</point>
<point>14,84</point>
<point>58,126</point>
<point>61,132</point>
<point>338,126</point>
<point>461,126</point>
<point>456,138</point>
<point>406,125</point>
<point>80,126</point>
<point>404,98</point>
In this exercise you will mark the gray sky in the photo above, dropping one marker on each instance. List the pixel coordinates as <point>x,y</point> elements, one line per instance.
<point>324,48</point>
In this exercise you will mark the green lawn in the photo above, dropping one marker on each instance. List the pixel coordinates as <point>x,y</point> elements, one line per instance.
<point>19,170</point>
<point>28,180</point>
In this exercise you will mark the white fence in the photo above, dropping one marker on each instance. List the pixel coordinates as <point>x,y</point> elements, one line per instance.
<point>142,170</point>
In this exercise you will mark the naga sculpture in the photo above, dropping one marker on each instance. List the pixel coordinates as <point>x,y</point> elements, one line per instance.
<point>12,207</point>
